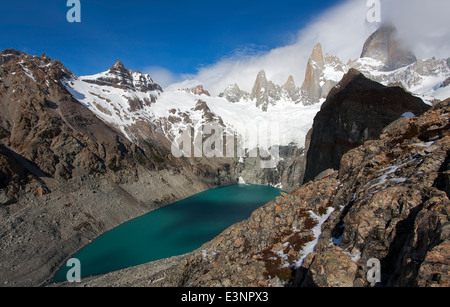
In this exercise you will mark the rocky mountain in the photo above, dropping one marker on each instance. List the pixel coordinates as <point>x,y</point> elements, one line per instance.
<point>322,74</point>
<point>198,90</point>
<point>66,174</point>
<point>119,97</point>
<point>234,94</point>
<point>423,78</point>
<point>355,111</point>
<point>81,155</point>
<point>388,200</point>
<point>264,92</point>
<point>47,126</point>
<point>120,77</point>
<point>384,59</point>
<point>384,46</point>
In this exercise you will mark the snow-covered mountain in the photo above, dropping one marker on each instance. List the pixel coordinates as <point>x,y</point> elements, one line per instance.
<point>384,46</point>
<point>137,106</point>
<point>119,96</point>
<point>383,59</point>
<point>127,107</point>
<point>322,74</point>
<point>427,79</point>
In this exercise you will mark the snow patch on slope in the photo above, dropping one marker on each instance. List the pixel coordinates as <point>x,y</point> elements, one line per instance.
<point>112,104</point>
<point>293,121</point>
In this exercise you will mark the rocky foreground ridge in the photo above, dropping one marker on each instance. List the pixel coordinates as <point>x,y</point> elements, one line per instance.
<point>355,111</point>
<point>81,155</point>
<point>388,199</point>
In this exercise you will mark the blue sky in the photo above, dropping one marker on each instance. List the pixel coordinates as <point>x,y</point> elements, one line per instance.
<point>179,35</point>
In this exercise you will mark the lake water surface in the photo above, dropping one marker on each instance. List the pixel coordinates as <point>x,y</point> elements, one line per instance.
<point>173,230</point>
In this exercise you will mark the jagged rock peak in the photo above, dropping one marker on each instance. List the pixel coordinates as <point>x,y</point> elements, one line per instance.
<point>208,116</point>
<point>384,45</point>
<point>312,74</point>
<point>290,82</point>
<point>10,51</point>
<point>260,84</point>
<point>317,54</point>
<point>121,77</point>
<point>234,94</point>
<point>264,92</point>
<point>355,111</point>
<point>197,90</point>
<point>118,66</point>
<point>261,77</point>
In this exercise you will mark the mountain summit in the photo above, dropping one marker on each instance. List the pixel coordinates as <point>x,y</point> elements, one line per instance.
<point>383,45</point>
<point>322,74</point>
<point>264,91</point>
<point>120,77</point>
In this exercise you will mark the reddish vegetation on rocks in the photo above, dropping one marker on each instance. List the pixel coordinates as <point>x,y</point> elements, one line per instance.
<point>391,202</point>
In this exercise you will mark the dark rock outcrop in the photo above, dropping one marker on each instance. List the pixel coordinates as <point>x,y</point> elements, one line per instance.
<point>388,201</point>
<point>15,173</point>
<point>355,111</point>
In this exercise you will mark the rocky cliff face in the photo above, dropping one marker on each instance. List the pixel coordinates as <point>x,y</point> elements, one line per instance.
<point>384,46</point>
<point>80,155</point>
<point>234,94</point>
<point>66,175</point>
<point>322,74</point>
<point>355,111</point>
<point>264,92</point>
<point>388,200</point>
<point>198,90</point>
<point>383,59</point>
<point>44,124</point>
<point>396,209</point>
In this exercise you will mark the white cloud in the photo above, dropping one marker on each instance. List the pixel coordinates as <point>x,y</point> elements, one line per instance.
<point>342,31</point>
<point>162,76</point>
<point>423,25</point>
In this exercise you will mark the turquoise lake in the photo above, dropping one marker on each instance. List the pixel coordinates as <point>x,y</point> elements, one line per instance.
<point>173,230</point>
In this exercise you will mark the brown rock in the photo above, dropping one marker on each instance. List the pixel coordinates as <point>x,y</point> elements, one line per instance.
<point>356,110</point>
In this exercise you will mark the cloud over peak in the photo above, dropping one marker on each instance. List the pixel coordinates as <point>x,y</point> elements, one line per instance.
<point>342,31</point>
